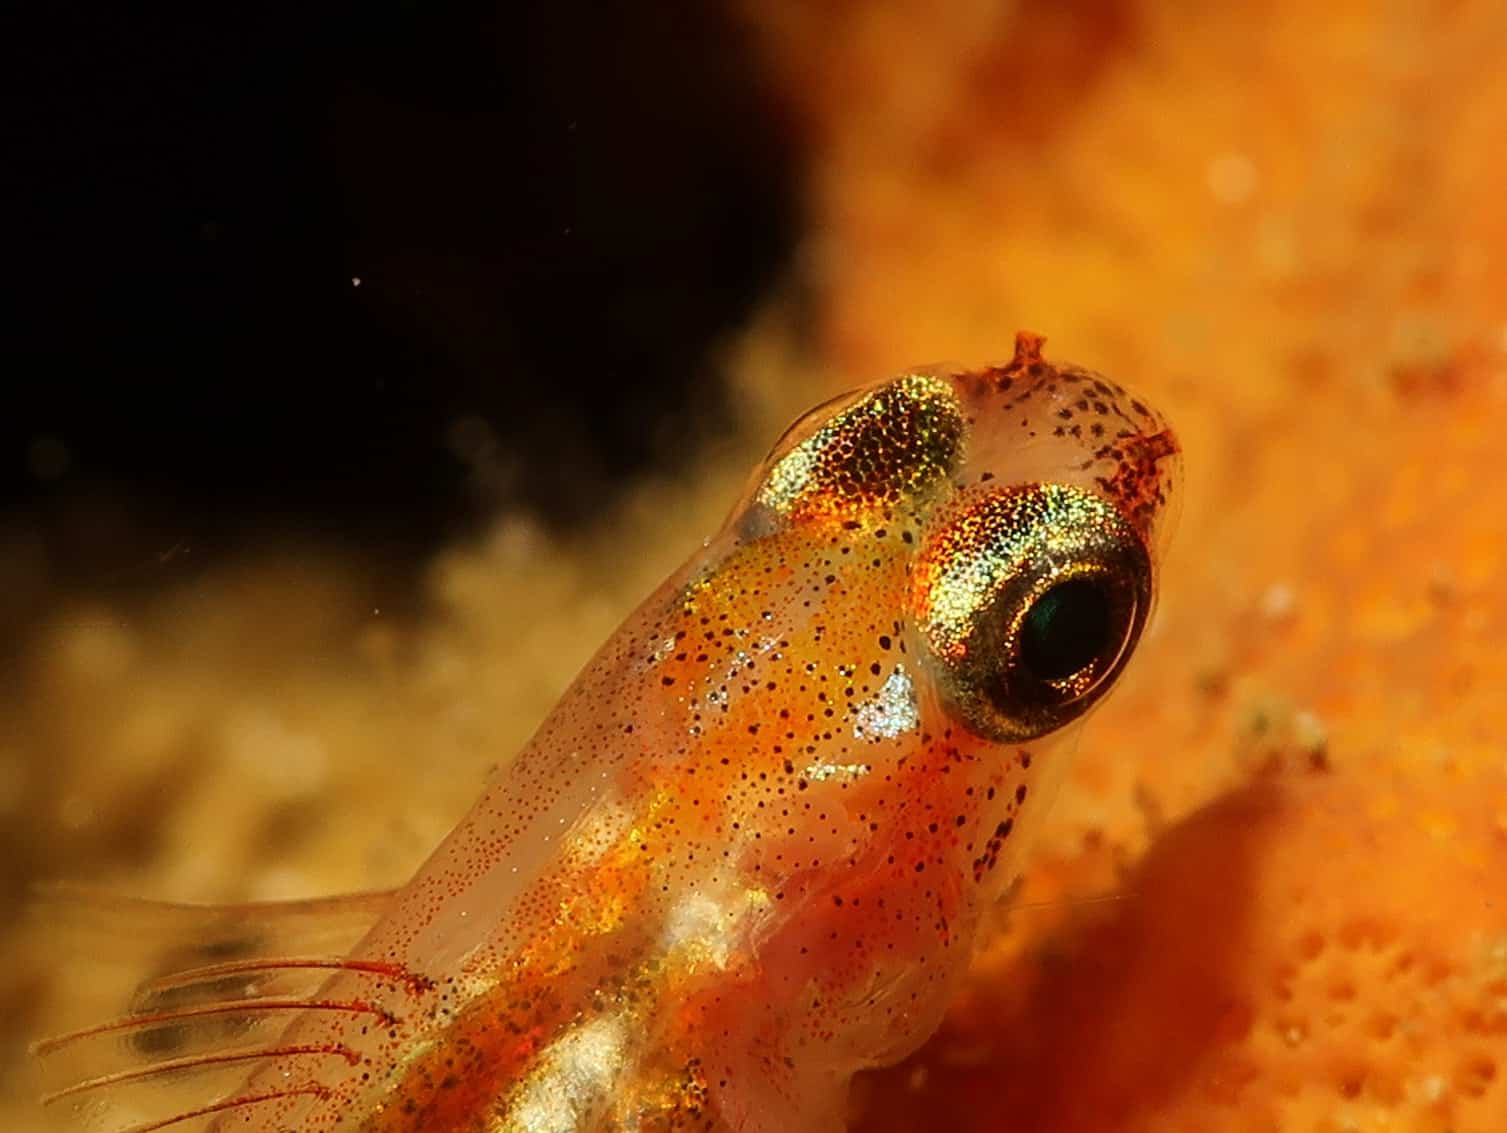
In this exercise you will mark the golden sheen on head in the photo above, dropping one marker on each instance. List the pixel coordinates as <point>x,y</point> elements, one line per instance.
<point>860,457</point>
<point>1028,498</point>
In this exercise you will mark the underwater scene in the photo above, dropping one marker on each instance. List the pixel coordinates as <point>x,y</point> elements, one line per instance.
<point>388,372</point>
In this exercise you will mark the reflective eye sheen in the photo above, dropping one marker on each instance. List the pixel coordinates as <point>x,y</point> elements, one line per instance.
<point>1030,601</point>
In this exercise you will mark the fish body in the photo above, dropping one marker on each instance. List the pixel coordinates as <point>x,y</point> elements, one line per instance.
<point>745,855</point>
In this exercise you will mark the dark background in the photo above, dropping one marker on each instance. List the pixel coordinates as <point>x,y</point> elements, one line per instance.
<point>555,211</point>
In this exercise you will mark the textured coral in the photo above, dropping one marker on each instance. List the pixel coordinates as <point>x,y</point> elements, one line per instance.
<point>1314,955</point>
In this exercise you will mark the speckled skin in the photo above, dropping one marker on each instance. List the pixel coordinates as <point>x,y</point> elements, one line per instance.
<point>745,855</point>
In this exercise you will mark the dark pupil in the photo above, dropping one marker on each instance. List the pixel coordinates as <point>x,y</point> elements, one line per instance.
<point>1065,630</point>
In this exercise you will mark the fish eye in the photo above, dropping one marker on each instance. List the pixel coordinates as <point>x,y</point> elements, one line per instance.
<point>1029,601</point>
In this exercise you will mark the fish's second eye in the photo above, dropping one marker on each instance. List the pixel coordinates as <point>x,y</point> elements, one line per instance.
<point>1029,600</point>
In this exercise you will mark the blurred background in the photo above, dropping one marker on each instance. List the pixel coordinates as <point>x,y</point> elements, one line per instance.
<point>370,362</point>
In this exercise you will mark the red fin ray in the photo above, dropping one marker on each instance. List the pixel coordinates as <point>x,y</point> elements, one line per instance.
<point>168,1012</point>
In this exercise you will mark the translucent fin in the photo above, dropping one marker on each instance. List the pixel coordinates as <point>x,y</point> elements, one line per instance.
<point>164,1012</point>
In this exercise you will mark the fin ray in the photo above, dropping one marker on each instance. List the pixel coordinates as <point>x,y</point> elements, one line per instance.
<point>164,1011</point>
<point>199,1061</point>
<point>221,1106</point>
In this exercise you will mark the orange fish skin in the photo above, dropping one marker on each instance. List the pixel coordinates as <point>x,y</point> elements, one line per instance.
<point>745,855</point>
